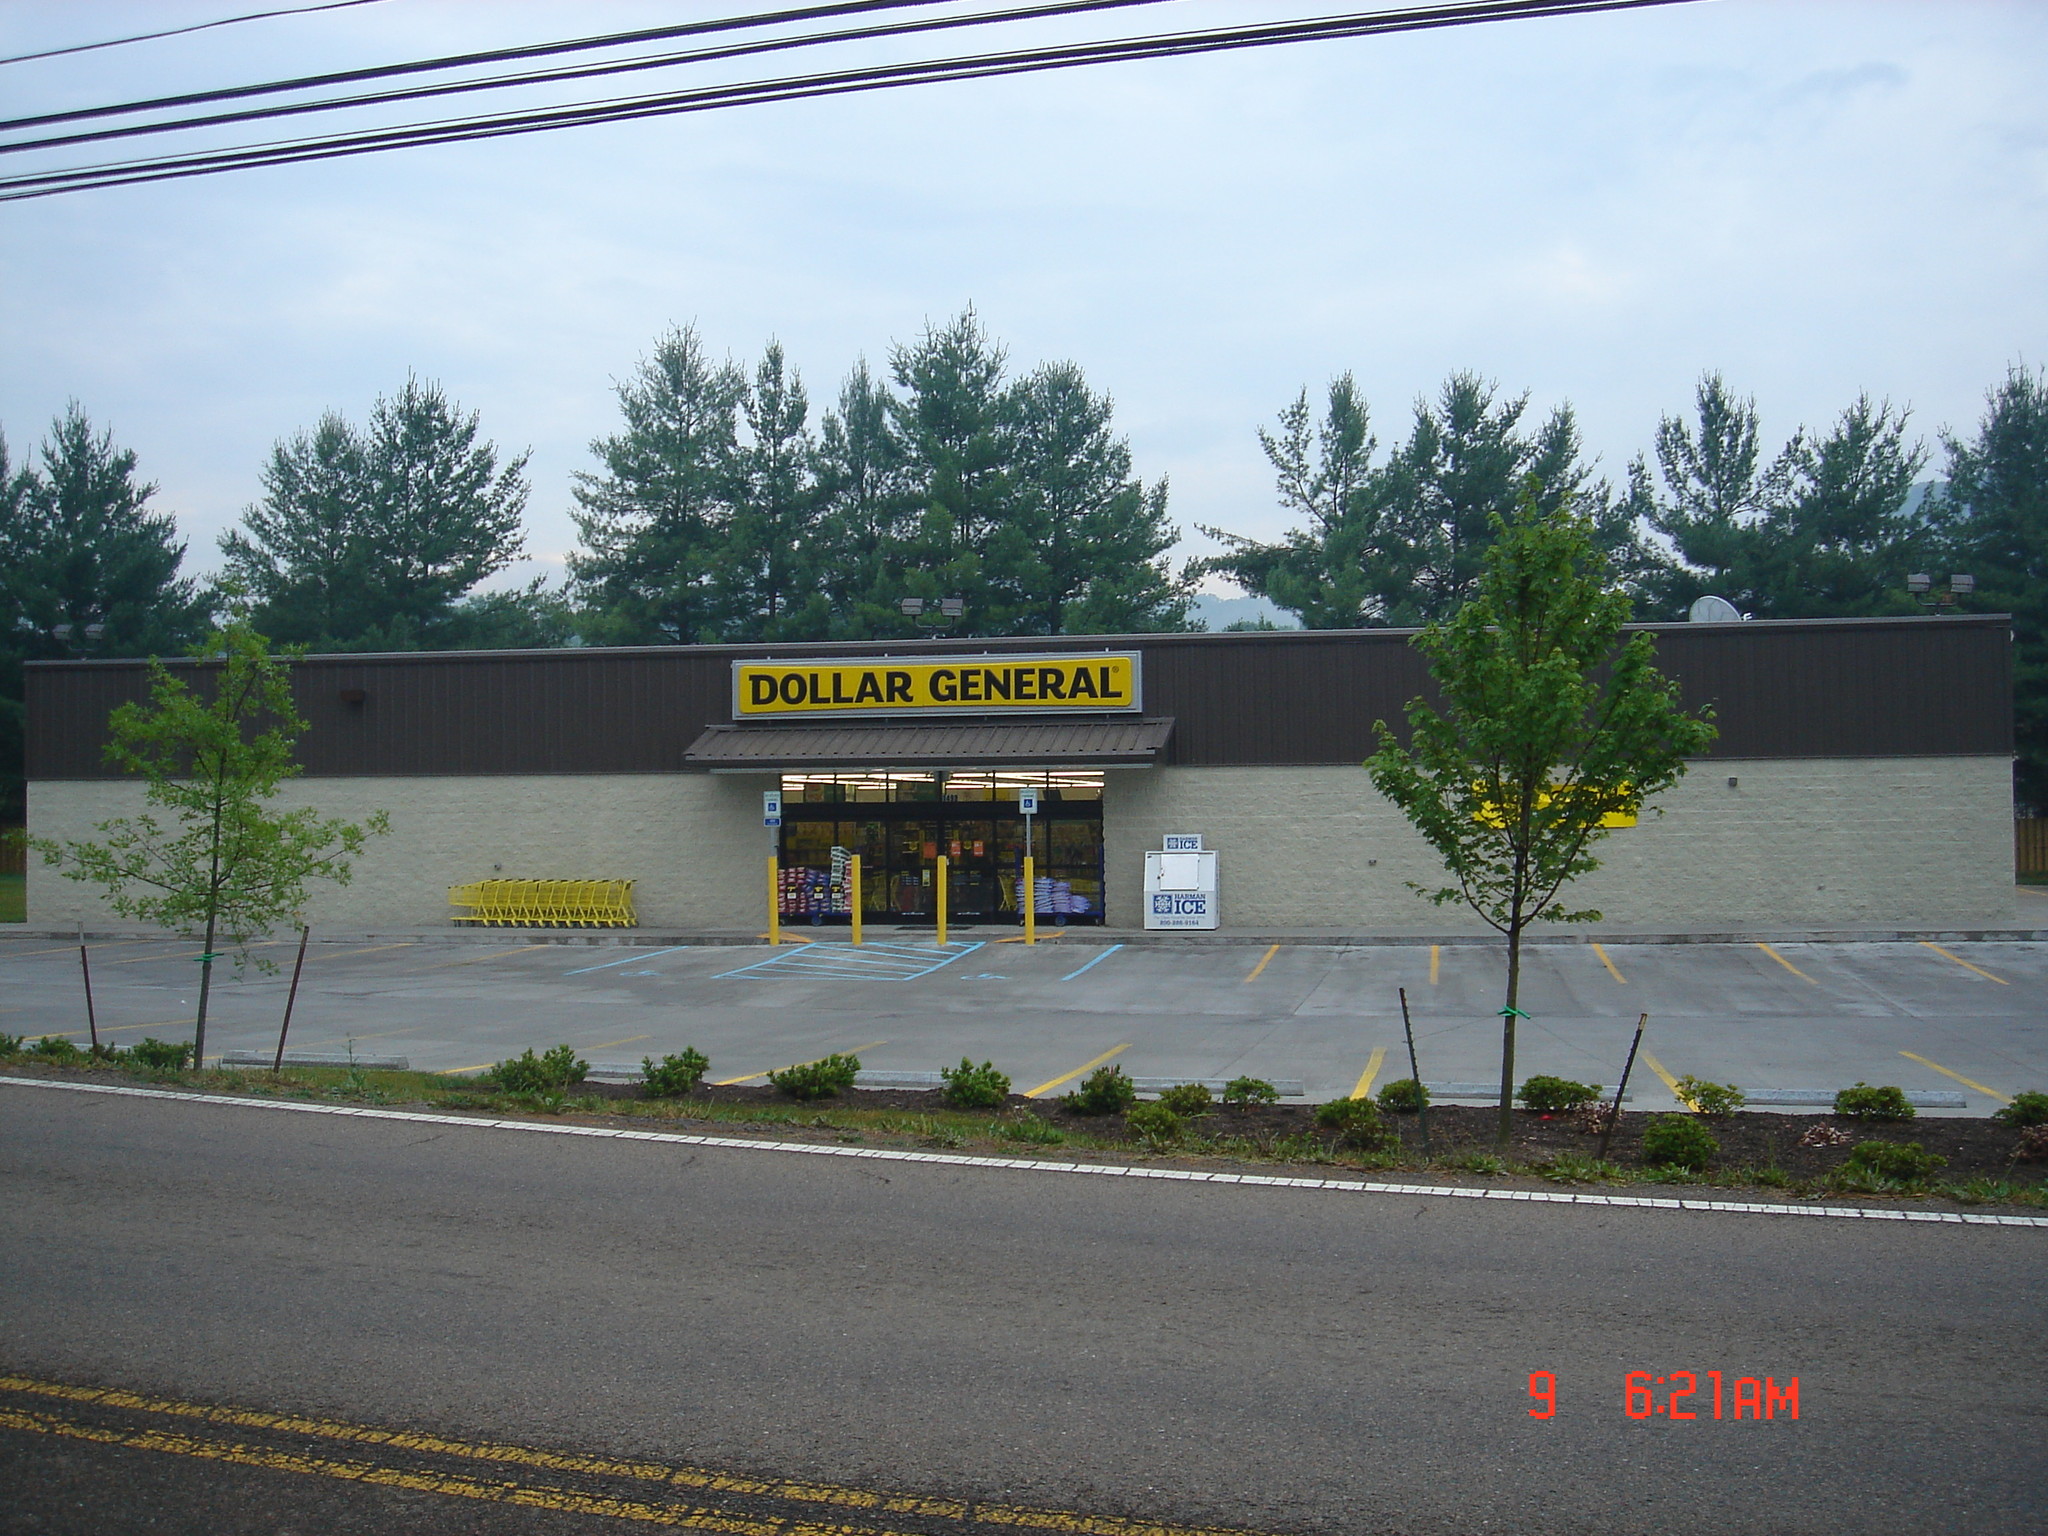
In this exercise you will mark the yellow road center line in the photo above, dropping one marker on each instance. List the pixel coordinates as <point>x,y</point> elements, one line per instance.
<point>699,1478</point>
<point>727,1082</point>
<point>605,1045</point>
<point>1959,960</point>
<point>1086,1066</point>
<point>1264,960</point>
<point>1786,963</point>
<point>1990,1093</point>
<point>1601,951</point>
<point>1436,954</point>
<point>1670,1082</point>
<point>496,954</point>
<point>1372,1070</point>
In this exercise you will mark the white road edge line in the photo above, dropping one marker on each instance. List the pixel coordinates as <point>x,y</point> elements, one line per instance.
<point>1112,1170</point>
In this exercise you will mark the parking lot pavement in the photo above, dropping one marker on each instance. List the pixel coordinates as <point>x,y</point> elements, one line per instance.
<point>1960,1018</point>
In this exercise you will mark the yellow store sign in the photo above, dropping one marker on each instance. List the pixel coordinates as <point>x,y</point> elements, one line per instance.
<point>1016,684</point>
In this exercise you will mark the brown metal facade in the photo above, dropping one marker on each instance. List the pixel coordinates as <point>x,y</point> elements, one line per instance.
<point>932,744</point>
<point>1789,688</point>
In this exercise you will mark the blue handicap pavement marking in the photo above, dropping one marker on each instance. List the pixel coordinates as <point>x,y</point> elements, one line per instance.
<point>1093,963</point>
<point>628,960</point>
<point>865,962</point>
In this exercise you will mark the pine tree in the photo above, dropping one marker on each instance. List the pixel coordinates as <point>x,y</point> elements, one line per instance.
<point>953,422</point>
<point>767,561</point>
<point>1822,531</point>
<point>1098,536</point>
<point>370,539</point>
<point>1992,519</point>
<point>867,511</point>
<point>1403,542</point>
<point>656,513</point>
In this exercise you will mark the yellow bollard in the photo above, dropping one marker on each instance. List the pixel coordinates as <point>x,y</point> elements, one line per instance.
<point>1029,896</point>
<point>774,904</point>
<point>853,893</point>
<point>941,877</point>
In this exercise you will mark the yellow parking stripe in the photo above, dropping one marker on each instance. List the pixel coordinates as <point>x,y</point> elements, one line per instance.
<point>1959,960</point>
<point>1264,960</point>
<point>1436,952</point>
<point>370,1439</point>
<point>1372,1070</point>
<point>145,959</point>
<point>72,949</point>
<point>1989,1093</point>
<point>342,954</point>
<point>114,1029</point>
<point>1602,953</point>
<point>605,1045</point>
<point>727,1082</point>
<point>496,954</point>
<point>1086,1066</point>
<point>1786,963</point>
<point>1670,1082</point>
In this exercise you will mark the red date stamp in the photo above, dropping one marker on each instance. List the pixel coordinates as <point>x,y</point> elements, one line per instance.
<point>1685,1395</point>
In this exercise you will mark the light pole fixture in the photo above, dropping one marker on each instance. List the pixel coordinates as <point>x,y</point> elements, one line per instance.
<point>934,613</point>
<point>1921,586</point>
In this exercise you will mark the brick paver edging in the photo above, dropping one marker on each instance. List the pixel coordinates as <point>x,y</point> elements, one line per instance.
<point>1030,1165</point>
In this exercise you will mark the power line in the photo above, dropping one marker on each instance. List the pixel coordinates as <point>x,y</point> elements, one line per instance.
<point>464,60</point>
<point>798,88</point>
<point>204,26</point>
<point>579,72</point>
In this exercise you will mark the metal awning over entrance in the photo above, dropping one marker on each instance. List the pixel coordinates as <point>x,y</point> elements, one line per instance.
<point>932,744</point>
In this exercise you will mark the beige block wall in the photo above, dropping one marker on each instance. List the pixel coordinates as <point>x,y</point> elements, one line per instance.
<point>1878,843</point>
<point>693,843</point>
<point>1829,843</point>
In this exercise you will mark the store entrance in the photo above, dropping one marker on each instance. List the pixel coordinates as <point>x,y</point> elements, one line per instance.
<point>900,826</point>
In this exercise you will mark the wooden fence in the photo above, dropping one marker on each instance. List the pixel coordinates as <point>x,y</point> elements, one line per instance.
<point>2030,845</point>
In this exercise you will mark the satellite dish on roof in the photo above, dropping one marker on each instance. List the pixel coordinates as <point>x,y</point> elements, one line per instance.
<point>1713,610</point>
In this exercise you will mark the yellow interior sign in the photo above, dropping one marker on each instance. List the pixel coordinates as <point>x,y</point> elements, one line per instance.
<point>940,685</point>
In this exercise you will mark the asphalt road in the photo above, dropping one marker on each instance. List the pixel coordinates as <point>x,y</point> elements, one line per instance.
<point>1968,1019</point>
<point>1262,1358</point>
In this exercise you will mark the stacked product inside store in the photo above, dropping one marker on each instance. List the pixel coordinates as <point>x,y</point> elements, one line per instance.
<point>816,893</point>
<point>1058,898</point>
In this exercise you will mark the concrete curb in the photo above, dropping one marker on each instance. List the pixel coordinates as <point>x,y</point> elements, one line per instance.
<point>1026,1165</point>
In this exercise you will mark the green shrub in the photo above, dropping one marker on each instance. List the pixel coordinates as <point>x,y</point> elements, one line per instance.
<point>1574,1168</point>
<point>2033,1147</point>
<point>56,1050</point>
<point>1555,1095</point>
<point>560,1068</point>
<point>673,1076</point>
<point>819,1079</point>
<point>1905,1162</point>
<point>1679,1140</point>
<point>1155,1124</point>
<point>972,1087</point>
<point>1250,1090</point>
<point>1864,1102</point>
<point>1029,1127</point>
<point>1186,1099</point>
<point>161,1055</point>
<point>1476,1162</point>
<point>1403,1096</point>
<point>2029,1108</point>
<point>1357,1123</point>
<point>1710,1098</point>
<point>10,1046</point>
<point>1106,1092</point>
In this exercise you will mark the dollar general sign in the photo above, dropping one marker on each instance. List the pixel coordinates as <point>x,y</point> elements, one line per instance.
<point>937,685</point>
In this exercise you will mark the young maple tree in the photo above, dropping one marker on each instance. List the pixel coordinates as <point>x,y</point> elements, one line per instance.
<point>1553,731</point>
<point>219,859</point>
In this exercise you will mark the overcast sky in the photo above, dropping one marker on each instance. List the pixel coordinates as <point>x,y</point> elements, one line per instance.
<point>1814,198</point>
